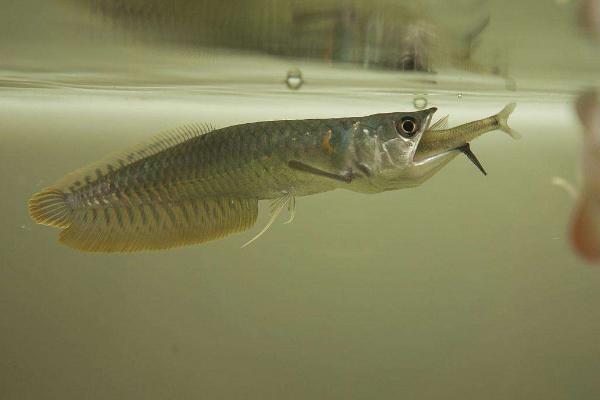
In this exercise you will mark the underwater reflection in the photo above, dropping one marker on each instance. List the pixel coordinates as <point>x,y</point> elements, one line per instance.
<point>396,36</point>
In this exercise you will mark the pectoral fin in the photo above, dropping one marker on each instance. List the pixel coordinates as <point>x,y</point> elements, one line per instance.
<point>157,225</point>
<point>300,166</point>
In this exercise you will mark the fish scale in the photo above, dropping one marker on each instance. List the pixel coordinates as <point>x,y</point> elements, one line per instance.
<point>170,184</point>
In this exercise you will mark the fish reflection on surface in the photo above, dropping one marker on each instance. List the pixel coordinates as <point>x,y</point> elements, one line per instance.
<point>399,36</point>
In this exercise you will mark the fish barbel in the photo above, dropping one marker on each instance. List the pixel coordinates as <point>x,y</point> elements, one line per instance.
<point>197,183</point>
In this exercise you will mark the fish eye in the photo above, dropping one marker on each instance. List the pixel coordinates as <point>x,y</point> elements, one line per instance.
<point>407,126</point>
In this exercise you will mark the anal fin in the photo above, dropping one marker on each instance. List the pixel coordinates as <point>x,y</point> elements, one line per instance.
<point>466,150</point>
<point>153,226</point>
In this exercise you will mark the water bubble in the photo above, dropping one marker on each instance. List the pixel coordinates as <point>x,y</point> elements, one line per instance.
<point>420,102</point>
<point>294,79</point>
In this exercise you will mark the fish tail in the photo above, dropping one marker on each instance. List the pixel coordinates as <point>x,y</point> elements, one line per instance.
<point>50,207</point>
<point>502,118</point>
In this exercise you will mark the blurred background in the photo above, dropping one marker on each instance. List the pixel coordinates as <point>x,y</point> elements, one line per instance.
<point>466,287</point>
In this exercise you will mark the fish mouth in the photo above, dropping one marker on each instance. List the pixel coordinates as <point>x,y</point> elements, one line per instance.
<point>446,155</point>
<point>420,157</point>
<point>422,160</point>
<point>432,157</point>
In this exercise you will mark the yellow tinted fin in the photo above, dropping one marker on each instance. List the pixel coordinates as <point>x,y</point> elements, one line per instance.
<point>153,226</point>
<point>49,207</point>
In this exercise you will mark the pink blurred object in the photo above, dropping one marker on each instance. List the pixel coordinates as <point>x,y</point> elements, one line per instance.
<point>589,17</point>
<point>585,228</point>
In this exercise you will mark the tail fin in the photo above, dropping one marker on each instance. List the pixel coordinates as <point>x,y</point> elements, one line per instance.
<point>50,207</point>
<point>502,117</point>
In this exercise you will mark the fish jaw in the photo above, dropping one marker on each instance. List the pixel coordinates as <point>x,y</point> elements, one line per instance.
<point>425,164</point>
<point>417,172</point>
<point>424,168</point>
<point>434,142</point>
<point>437,142</point>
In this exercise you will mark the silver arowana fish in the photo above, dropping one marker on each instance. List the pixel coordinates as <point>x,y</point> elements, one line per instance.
<point>196,183</point>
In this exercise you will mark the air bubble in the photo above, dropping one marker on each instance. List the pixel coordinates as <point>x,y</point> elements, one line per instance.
<point>294,79</point>
<point>420,102</point>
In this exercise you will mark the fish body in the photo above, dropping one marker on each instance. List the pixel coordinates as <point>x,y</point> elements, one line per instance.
<point>197,183</point>
<point>462,134</point>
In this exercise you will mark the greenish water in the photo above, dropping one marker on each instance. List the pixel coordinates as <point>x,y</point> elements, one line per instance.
<point>465,287</point>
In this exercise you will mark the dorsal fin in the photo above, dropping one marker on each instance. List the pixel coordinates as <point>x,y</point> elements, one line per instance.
<point>154,145</point>
<point>440,124</point>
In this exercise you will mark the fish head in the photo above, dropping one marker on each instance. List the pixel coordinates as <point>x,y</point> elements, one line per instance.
<point>391,155</point>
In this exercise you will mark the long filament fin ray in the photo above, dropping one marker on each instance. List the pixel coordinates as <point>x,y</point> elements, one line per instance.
<point>276,207</point>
